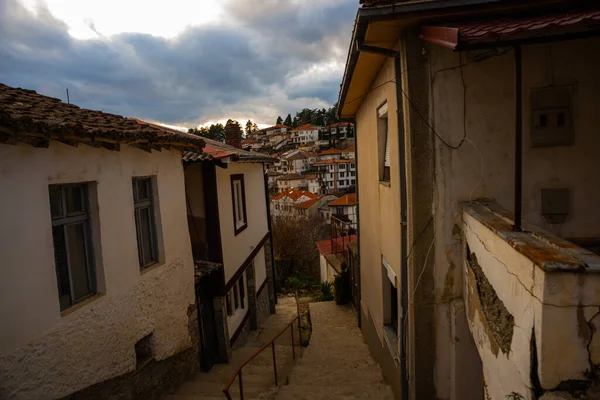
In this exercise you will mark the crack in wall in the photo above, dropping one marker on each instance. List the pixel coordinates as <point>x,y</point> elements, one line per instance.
<point>530,291</point>
<point>499,320</point>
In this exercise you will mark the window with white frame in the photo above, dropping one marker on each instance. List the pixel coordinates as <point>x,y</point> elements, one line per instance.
<point>238,196</point>
<point>73,249</point>
<point>383,139</point>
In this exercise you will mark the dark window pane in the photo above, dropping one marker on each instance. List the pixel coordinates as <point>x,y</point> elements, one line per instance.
<point>74,199</point>
<point>145,236</point>
<point>242,291</point>
<point>236,299</point>
<point>62,268</point>
<point>143,189</point>
<point>228,302</point>
<point>543,120</point>
<point>55,202</point>
<point>560,119</point>
<point>78,260</point>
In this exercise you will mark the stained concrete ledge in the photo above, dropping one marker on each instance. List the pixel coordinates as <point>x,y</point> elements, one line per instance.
<point>549,252</point>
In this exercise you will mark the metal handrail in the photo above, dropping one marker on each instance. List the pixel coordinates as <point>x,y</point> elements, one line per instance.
<point>238,371</point>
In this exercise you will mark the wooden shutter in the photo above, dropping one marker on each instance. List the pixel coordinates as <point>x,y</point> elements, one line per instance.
<point>387,150</point>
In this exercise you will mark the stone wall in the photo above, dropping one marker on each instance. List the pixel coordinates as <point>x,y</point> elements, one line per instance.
<point>154,378</point>
<point>263,308</point>
<point>241,338</point>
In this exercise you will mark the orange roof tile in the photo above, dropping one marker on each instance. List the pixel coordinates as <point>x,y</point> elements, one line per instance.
<point>307,204</point>
<point>305,127</point>
<point>333,162</point>
<point>325,246</point>
<point>346,200</point>
<point>295,194</point>
<point>349,150</point>
<point>330,152</point>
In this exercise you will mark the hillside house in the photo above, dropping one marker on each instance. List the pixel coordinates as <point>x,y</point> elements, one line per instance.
<point>329,154</point>
<point>283,204</point>
<point>305,133</point>
<point>333,254</point>
<point>343,210</point>
<point>476,135</point>
<point>336,175</point>
<point>314,184</point>
<point>228,209</point>
<point>297,161</point>
<point>349,153</point>
<point>291,181</point>
<point>310,208</point>
<point>98,279</point>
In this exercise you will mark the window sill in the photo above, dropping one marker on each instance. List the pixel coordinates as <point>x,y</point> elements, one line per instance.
<point>385,183</point>
<point>240,229</point>
<point>80,305</point>
<point>391,338</point>
<point>152,267</point>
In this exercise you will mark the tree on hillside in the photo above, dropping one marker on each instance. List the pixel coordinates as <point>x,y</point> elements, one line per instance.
<point>254,127</point>
<point>214,132</point>
<point>295,122</point>
<point>249,126</point>
<point>294,246</point>
<point>279,120</point>
<point>288,120</point>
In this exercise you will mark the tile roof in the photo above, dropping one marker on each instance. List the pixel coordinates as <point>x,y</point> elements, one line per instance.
<point>295,194</point>
<point>346,200</point>
<point>34,118</point>
<point>333,162</point>
<point>340,124</point>
<point>307,204</point>
<point>325,246</point>
<point>349,150</point>
<point>219,150</point>
<point>249,141</point>
<point>297,156</point>
<point>328,152</point>
<point>289,177</point>
<point>305,127</point>
<point>311,176</point>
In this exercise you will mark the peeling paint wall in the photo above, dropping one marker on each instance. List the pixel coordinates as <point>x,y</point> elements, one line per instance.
<point>484,164</point>
<point>535,330</point>
<point>44,354</point>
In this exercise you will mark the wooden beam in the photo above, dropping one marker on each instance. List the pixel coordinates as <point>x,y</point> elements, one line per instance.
<point>7,138</point>
<point>144,147</point>
<point>111,146</point>
<point>70,142</point>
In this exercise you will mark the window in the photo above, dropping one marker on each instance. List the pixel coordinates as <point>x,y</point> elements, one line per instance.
<point>342,166</point>
<point>238,196</point>
<point>145,221</point>
<point>352,182</point>
<point>242,291</point>
<point>228,303</point>
<point>383,139</point>
<point>351,165</point>
<point>390,297</point>
<point>73,252</point>
<point>342,174</point>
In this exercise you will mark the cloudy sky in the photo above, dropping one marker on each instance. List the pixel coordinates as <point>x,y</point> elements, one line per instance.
<point>183,62</point>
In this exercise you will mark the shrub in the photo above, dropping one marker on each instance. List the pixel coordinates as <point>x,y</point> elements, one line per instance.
<point>342,286</point>
<point>326,293</point>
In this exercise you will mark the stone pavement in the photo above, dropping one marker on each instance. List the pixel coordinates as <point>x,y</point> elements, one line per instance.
<point>258,375</point>
<point>337,363</point>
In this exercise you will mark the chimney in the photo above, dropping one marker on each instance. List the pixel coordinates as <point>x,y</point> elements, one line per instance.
<point>233,134</point>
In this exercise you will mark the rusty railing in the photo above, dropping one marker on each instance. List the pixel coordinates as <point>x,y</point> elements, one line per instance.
<point>271,343</point>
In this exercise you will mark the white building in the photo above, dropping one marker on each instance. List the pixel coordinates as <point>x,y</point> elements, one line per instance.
<point>283,204</point>
<point>305,133</point>
<point>291,181</point>
<point>344,210</point>
<point>336,175</point>
<point>227,209</point>
<point>314,185</point>
<point>97,277</point>
<point>329,154</point>
<point>349,153</point>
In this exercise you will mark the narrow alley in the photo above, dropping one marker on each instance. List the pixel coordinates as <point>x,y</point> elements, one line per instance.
<point>337,363</point>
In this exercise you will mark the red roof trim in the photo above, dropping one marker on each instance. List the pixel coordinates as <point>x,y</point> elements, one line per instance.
<point>453,35</point>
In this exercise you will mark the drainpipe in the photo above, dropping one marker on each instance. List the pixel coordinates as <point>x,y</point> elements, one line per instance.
<point>267,203</point>
<point>404,388</point>
<point>404,383</point>
<point>518,139</point>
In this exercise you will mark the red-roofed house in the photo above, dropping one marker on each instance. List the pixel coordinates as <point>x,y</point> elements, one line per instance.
<point>332,254</point>
<point>291,181</point>
<point>310,208</point>
<point>336,175</point>
<point>329,154</point>
<point>344,209</point>
<point>306,133</point>
<point>283,204</point>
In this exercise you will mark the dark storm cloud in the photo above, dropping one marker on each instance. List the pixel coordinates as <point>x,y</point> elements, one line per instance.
<point>207,72</point>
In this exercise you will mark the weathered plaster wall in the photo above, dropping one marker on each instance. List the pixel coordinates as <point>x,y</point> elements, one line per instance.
<point>535,330</point>
<point>44,354</point>
<point>236,249</point>
<point>379,214</point>
<point>484,164</point>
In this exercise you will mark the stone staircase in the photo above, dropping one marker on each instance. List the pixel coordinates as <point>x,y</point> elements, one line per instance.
<point>258,375</point>
<point>337,363</point>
